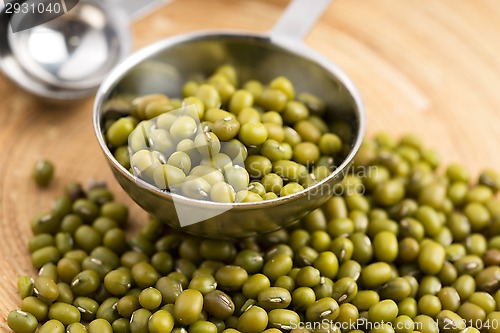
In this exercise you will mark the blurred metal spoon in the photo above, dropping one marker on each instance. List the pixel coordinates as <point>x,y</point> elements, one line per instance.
<point>68,57</point>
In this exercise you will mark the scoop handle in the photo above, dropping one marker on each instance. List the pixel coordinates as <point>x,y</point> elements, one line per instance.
<point>136,9</point>
<point>298,18</point>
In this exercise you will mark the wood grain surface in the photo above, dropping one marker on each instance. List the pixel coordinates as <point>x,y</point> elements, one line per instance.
<point>429,67</point>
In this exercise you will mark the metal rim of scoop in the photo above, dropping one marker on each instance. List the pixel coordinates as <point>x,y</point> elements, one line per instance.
<point>290,45</point>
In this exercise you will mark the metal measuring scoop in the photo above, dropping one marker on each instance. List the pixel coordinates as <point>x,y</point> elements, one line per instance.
<point>68,57</point>
<point>166,65</point>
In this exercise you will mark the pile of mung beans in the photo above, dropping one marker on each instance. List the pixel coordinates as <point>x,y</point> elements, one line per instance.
<point>406,247</point>
<point>225,144</point>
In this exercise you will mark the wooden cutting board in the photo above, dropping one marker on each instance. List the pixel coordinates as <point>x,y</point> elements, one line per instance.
<point>423,66</point>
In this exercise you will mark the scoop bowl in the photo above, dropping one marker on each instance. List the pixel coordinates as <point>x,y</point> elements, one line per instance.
<point>166,65</point>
